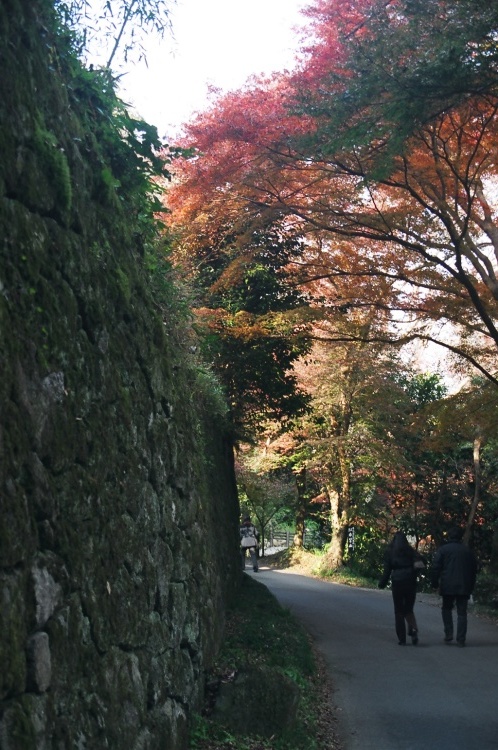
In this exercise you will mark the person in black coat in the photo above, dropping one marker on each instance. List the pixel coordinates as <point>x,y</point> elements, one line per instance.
<point>454,571</point>
<point>402,564</point>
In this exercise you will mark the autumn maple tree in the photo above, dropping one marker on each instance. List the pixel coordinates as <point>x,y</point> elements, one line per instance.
<point>399,214</point>
<point>377,157</point>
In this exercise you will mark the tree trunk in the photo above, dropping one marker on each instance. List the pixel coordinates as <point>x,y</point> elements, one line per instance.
<point>301,508</point>
<point>334,557</point>
<point>477,488</point>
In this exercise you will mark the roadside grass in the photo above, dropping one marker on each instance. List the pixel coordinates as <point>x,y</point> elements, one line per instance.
<point>349,577</point>
<point>260,632</point>
<point>310,562</point>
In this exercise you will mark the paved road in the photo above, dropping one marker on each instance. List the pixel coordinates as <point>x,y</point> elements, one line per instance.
<point>390,697</point>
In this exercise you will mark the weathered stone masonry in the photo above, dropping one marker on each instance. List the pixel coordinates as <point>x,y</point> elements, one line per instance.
<point>118,512</point>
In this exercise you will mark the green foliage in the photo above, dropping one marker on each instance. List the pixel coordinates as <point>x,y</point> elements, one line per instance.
<point>255,367</point>
<point>260,632</point>
<point>124,284</point>
<point>251,272</point>
<point>264,629</point>
<point>173,297</point>
<point>133,163</point>
<point>401,72</point>
<point>55,165</point>
<point>486,590</point>
<point>210,394</point>
<point>367,557</point>
<point>250,308</point>
<point>346,575</point>
<point>422,388</point>
<point>264,495</point>
<point>317,531</point>
<point>206,735</point>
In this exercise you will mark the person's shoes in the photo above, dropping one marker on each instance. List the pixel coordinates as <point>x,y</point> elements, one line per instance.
<point>255,569</point>
<point>401,643</point>
<point>460,644</point>
<point>414,635</point>
<point>448,639</point>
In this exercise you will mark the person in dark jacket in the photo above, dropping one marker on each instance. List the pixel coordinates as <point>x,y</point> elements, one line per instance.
<point>402,564</point>
<point>454,570</point>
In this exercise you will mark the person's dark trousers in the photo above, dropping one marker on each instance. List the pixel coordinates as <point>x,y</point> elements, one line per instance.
<point>253,551</point>
<point>461,608</point>
<point>404,601</point>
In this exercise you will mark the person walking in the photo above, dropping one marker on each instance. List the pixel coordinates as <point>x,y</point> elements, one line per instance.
<point>454,571</point>
<point>249,540</point>
<point>402,565</point>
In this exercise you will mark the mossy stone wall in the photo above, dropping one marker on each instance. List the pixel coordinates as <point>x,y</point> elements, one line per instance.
<point>118,510</point>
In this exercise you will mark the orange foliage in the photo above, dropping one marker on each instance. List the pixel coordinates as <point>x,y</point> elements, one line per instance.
<point>420,239</point>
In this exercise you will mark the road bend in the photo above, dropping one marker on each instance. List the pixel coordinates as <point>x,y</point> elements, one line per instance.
<point>389,697</point>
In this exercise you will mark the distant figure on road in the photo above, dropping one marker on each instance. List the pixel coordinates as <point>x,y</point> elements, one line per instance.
<point>249,540</point>
<point>402,564</point>
<point>454,570</point>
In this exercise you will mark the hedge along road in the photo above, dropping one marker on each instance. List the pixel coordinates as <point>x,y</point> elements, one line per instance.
<point>389,697</point>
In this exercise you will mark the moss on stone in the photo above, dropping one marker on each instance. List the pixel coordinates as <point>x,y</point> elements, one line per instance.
<point>19,726</point>
<point>13,629</point>
<point>103,425</point>
<point>52,161</point>
<point>124,284</point>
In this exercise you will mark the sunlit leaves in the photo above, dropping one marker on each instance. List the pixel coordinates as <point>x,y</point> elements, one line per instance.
<point>396,207</point>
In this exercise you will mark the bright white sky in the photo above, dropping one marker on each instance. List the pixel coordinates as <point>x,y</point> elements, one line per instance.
<point>217,42</point>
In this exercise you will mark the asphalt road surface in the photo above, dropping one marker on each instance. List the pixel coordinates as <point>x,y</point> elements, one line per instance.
<point>389,697</point>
